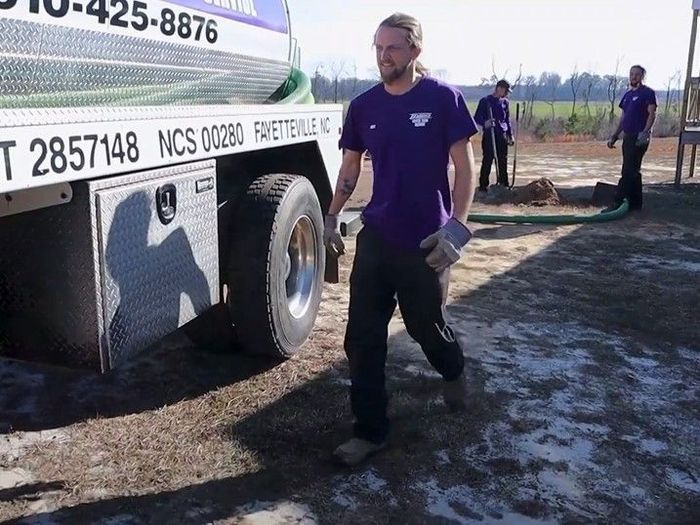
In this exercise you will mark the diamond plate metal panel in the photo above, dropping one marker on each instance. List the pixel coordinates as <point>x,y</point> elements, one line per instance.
<point>47,285</point>
<point>155,277</point>
<point>75,280</point>
<point>45,66</point>
<point>93,188</point>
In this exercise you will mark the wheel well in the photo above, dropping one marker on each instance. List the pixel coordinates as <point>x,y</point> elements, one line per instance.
<point>236,172</point>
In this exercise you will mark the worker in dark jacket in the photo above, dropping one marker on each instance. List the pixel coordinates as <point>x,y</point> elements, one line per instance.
<point>502,133</point>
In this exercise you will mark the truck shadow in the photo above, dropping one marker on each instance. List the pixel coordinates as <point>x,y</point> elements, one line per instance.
<point>36,396</point>
<point>152,281</point>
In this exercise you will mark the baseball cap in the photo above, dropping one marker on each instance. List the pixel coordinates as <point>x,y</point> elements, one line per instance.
<point>505,84</point>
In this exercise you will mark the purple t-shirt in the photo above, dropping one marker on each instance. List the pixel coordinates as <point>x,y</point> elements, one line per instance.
<point>409,137</point>
<point>635,103</point>
<point>501,113</point>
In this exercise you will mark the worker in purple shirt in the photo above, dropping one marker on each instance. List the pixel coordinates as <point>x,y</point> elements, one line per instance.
<point>638,107</point>
<point>498,102</point>
<point>414,225</point>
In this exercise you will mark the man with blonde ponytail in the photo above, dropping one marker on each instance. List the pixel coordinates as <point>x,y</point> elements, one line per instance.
<point>414,226</point>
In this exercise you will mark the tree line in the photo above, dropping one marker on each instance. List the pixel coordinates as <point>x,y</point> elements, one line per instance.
<point>593,98</point>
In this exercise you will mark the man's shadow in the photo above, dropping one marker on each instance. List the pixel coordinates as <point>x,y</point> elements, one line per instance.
<point>153,277</point>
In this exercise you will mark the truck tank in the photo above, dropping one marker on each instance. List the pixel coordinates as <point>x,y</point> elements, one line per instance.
<point>78,53</point>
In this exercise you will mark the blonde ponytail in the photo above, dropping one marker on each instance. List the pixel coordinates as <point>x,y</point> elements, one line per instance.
<point>421,69</point>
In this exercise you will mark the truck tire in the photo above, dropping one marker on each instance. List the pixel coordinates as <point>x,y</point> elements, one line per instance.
<point>276,265</point>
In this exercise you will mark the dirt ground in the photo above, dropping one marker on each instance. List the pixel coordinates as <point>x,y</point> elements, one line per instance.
<point>582,341</point>
<point>574,168</point>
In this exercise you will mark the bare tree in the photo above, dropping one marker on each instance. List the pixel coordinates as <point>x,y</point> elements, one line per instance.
<point>531,90</point>
<point>550,82</point>
<point>495,77</point>
<point>493,68</point>
<point>486,81</point>
<point>575,81</point>
<point>315,82</point>
<point>337,70</point>
<point>354,79</point>
<point>490,81</point>
<point>518,80</point>
<point>590,82</point>
<point>614,83</point>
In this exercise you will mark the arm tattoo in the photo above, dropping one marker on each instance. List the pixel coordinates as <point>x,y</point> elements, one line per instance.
<point>347,187</point>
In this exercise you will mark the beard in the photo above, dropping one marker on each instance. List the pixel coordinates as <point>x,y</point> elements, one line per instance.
<point>391,76</point>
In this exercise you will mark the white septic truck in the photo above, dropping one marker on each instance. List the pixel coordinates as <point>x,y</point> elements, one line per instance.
<point>157,158</point>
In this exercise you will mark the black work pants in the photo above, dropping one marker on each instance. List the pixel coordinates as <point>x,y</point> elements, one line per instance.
<point>630,185</point>
<point>382,277</point>
<point>500,155</point>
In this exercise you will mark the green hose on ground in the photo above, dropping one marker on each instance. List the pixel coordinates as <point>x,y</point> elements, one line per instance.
<point>351,222</point>
<point>552,219</point>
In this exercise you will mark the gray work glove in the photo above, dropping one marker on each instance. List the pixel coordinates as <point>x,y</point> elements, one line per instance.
<point>331,235</point>
<point>489,124</point>
<point>446,245</point>
<point>612,141</point>
<point>643,139</point>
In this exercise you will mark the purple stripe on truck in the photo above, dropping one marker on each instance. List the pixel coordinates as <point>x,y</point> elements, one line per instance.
<point>269,14</point>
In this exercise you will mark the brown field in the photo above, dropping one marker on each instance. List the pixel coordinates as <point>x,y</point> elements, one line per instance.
<point>583,341</point>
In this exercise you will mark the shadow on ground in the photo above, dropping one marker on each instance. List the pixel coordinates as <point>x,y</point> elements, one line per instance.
<point>588,353</point>
<point>40,397</point>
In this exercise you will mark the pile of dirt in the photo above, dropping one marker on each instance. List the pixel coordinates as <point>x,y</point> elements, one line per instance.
<point>538,193</point>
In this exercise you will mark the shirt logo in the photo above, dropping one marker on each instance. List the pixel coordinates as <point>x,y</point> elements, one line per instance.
<point>420,119</point>
<point>373,126</point>
<point>634,99</point>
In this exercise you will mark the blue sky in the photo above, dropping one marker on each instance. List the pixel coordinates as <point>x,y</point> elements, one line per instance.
<point>463,36</point>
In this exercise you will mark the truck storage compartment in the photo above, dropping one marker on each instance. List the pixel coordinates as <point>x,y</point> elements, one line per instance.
<point>128,261</point>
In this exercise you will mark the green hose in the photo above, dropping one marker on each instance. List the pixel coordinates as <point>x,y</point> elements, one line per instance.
<point>297,89</point>
<point>553,219</point>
